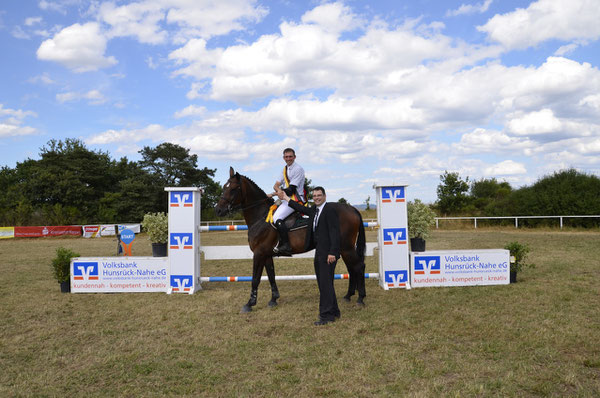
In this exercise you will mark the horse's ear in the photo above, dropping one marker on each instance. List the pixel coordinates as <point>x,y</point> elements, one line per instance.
<point>231,172</point>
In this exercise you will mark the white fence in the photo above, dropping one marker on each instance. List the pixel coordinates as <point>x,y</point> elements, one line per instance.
<point>516,218</point>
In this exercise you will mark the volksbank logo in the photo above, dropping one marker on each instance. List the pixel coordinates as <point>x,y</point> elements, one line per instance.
<point>181,283</point>
<point>180,241</point>
<point>184,199</point>
<point>394,236</point>
<point>392,194</point>
<point>427,265</point>
<point>85,270</point>
<point>396,278</point>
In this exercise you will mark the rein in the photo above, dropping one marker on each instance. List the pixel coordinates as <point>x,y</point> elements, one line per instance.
<point>242,208</point>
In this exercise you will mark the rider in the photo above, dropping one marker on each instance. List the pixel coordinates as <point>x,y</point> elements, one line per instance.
<point>291,181</point>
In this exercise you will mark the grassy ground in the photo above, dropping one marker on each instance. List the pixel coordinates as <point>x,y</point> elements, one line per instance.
<point>538,337</point>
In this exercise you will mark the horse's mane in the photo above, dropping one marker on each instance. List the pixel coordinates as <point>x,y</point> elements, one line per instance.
<point>255,186</point>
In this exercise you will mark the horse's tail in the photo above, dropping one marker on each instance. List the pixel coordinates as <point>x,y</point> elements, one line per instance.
<point>361,242</point>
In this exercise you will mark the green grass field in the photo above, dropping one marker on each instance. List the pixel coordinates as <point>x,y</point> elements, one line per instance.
<point>538,337</point>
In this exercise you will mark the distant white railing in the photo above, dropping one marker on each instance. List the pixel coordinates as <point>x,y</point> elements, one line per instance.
<point>516,218</point>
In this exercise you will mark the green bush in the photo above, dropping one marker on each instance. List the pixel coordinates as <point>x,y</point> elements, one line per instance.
<point>156,226</point>
<point>519,252</point>
<point>420,219</point>
<point>61,264</point>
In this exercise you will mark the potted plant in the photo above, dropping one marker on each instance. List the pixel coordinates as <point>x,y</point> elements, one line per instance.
<point>156,226</point>
<point>518,254</point>
<point>420,220</point>
<point>61,268</point>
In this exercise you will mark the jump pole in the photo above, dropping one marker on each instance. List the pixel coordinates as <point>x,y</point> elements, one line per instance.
<point>277,278</point>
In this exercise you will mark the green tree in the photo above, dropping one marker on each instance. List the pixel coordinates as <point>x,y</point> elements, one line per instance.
<point>565,192</point>
<point>171,165</point>
<point>69,175</point>
<point>451,192</point>
<point>485,193</point>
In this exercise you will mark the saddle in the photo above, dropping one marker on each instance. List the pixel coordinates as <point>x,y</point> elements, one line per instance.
<point>295,221</point>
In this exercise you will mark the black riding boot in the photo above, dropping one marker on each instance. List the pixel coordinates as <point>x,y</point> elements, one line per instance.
<point>283,248</point>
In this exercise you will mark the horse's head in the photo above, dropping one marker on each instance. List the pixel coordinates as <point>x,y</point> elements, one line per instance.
<point>232,194</point>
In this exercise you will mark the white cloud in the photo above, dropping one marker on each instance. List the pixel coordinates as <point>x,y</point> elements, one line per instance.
<point>43,78</point>
<point>207,18</point>
<point>156,22</point>
<point>504,168</point>
<point>78,47</point>
<point>541,122</point>
<point>487,141</point>
<point>32,21</point>
<point>191,110</point>
<point>566,49</point>
<point>138,19</point>
<point>19,33</point>
<point>56,6</point>
<point>466,9</point>
<point>93,97</point>
<point>11,122</point>
<point>332,17</point>
<point>545,20</point>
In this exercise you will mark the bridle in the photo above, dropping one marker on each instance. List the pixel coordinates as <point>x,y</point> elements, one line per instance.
<point>232,208</point>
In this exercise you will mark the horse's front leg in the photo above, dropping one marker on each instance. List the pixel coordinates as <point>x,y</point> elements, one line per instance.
<point>257,268</point>
<point>271,273</point>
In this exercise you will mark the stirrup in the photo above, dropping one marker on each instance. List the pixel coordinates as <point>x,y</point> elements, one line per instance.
<point>285,253</point>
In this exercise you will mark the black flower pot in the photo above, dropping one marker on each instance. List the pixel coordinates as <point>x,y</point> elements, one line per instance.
<point>159,250</point>
<point>513,276</point>
<point>65,287</point>
<point>417,244</point>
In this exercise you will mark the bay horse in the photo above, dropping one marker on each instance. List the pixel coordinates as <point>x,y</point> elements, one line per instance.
<point>240,192</point>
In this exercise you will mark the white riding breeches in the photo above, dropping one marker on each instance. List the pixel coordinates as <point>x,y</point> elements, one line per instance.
<point>282,212</point>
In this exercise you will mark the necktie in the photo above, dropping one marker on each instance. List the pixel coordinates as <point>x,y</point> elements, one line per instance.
<point>316,219</point>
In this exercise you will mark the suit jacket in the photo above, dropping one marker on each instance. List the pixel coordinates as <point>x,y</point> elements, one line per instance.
<point>326,237</point>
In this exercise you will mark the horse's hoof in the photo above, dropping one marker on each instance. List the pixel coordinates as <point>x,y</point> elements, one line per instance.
<point>272,303</point>
<point>347,298</point>
<point>361,304</point>
<point>246,309</point>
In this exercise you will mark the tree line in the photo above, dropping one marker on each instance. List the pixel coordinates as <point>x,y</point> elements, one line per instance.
<point>71,184</point>
<point>564,192</point>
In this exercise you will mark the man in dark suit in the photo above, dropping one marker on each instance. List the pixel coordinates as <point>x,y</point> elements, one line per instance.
<point>324,235</point>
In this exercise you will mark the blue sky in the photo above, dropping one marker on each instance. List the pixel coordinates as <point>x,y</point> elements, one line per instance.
<point>365,91</point>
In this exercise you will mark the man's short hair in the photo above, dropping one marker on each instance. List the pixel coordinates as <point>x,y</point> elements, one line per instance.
<point>319,189</point>
<point>289,150</point>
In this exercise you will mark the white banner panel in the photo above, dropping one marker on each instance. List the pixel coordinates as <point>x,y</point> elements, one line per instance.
<point>184,239</point>
<point>392,236</point>
<point>119,274</point>
<point>460,268</point>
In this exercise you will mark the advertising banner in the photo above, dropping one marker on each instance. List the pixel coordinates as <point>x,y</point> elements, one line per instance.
<point>91,231</point>
<point>184,239</point>
<point>392,236</point>
<point>109,229</point>
<point>36,232</point>
<point>119,274</point>
<point>7,232</point>
<point>460,268</point>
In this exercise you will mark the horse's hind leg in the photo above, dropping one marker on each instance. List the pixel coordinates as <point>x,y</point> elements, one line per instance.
<point>356,269</point>
<point>271,273</point>
<point>349,257</point>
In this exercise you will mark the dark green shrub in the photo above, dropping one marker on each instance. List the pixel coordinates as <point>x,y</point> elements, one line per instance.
<point>61,264</point>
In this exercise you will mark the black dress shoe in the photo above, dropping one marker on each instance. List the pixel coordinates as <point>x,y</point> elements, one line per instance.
<point>322,322</point>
